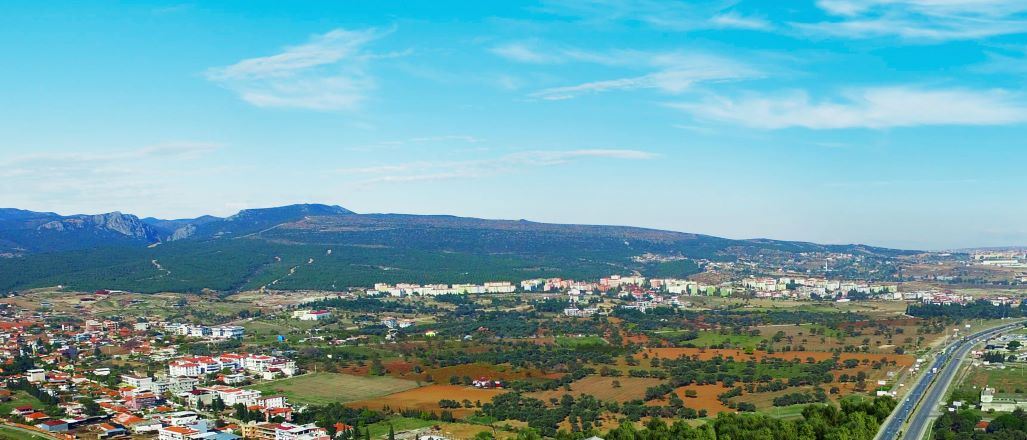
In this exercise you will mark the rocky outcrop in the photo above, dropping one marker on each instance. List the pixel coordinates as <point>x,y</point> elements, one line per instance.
<point>113,222</point>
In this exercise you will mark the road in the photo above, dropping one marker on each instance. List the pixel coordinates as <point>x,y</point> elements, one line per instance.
<point>931,387</point>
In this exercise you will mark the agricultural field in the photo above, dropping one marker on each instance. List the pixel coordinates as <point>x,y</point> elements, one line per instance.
<point>472,371</point>
<point>580,341</point>
<point>427,399</point>
<point>705,397</point>
<point>12,433</point>
<point>709,356</point>
<point>614,389</point>
<point>1012,379</point>
<point>322,388</point>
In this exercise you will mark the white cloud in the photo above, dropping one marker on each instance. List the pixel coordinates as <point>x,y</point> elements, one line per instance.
<point>877,108</point>
<point>519,161</point>
<point>522,53</point>
<point>161,151</point>
<point>446,139</point>
<point>923,20</point>
<point>670,72</point>
<point>671,80</point>
<point>669,15</point>
<point>734,20</point>
<point>95,180</point>
<point>327,73</point>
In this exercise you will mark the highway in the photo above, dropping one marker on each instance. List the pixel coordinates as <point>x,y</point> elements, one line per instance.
<point>931,387</point>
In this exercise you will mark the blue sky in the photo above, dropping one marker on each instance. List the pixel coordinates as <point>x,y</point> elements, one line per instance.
<point>888,122</point>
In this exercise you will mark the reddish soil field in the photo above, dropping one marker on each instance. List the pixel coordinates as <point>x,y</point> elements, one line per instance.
<point>602,388</point>
<point>706,398</point>
<point>396,368</point>
<point>640,339</point>
<point>427,399</point>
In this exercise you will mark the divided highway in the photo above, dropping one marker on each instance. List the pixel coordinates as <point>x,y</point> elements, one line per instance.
<point>929,390</point>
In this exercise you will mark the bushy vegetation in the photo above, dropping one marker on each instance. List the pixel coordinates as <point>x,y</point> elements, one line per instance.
<point>961,425</point>
<point>855,420</point>
<point>980,309</point>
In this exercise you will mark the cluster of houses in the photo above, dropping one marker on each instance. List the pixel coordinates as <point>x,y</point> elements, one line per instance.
<point>201,331</point>
<point>311,315</point>
<point>142,404</point>
<point>406,289</point>
<point>1016,259</point>
<point>267,366</point>
<point>992,401</point>
<point>808,287</point>
<point>396,323</point>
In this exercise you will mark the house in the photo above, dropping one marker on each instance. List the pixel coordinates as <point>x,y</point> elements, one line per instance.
<point>53,425</point>
<point>487,383</point>
<point>259,431</point>
<point>310,431</point>
<point>137,381</point>
<point>136,424</point>
<point>181,418</point>
<point>175,433</point>
<point>23,410</point>
<point>1005,403</point>
<point>35,417</point>
<point>311,315</point>
<point>138,401</point>
<point>106,430</point>
<point>36,375</point>
<point>274,412</point>
<point>232,379</point>
<point>228,332</point>
<point>270,401</point>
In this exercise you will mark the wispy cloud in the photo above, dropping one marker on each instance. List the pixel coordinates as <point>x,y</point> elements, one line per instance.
<point>523,53</point>
<point>327,73</point>
<point>863,184</point>
<point>877,107</point>
<point>161,151</point>
<point>1001,63</point>
<point>82,181</point>
<point>446,140</point>
<point>924,20</point>
<point>519,161</point>
<point>670,72</point>
<point>670,80</point>
<point>734,20</point>
<point>659,14</point>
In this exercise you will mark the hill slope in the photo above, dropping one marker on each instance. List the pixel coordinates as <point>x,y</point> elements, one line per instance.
<point>330,247</point>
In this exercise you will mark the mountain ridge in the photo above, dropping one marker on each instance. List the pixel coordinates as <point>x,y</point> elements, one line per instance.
<point>302,216</point>
<point>314,246</point>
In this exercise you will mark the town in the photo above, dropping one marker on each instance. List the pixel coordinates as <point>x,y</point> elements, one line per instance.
<point>83,365</point>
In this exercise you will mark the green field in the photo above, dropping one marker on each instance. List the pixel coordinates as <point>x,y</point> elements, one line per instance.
<point>584,341</point>
<point>9,433</point>
<point>19,398</point>
<point>323,388</point>
<point>785,412</point>
<point>709,338</point>
<point>1012,379</point>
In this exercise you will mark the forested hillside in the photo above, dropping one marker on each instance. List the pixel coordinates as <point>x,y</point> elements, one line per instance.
<point>330,247</point>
